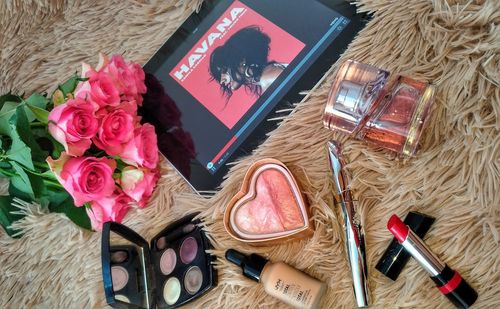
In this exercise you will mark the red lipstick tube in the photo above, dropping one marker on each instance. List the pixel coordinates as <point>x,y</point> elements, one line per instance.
<point>448,281</point>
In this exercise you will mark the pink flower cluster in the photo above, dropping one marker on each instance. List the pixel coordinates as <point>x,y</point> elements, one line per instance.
<point>103,112</point>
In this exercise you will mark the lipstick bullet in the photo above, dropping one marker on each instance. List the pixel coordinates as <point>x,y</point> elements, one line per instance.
<point>448,281</point>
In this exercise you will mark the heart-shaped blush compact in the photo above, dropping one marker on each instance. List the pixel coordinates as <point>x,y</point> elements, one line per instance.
<point>268,207</point>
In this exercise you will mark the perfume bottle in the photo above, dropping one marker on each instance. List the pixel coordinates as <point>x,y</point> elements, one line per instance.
<point>372,105</point>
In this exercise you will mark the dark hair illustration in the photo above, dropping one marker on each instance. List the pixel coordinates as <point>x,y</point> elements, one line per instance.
<point>243,57</point>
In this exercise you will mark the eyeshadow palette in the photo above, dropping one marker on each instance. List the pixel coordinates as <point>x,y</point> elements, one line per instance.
<point>172,271</point>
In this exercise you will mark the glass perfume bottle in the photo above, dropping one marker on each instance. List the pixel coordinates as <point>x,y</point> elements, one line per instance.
<point>368,103</point>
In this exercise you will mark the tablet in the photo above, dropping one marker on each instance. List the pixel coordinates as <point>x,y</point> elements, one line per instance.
<point>213,86</point>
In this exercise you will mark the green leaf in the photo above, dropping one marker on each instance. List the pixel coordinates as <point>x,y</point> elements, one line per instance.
<point>23,143</point>
<point>37,183</point>
<point>24,184</point>
<point>15,187</point>
<point>23,147</point>
<point>49,174</point>
<point>36,103</point>
<point>120,165</point>
<point>8,109</point>
<point>58,148</point>
<point>66,206</point>
<point>35,108</point>
<point>6,215</point>
<point>9,97</point>
<point>25,132</point>
<point>20,185</point>
<point>78,215</point>
<point>70,85</point>
<point>39,113</point>
<point>56,198</point>
<point>53,197</point>
<point>37,100</point>
<point>20,152</point>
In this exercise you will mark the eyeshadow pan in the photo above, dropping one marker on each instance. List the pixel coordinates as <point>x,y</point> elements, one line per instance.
<point>188,251</point>
<point>168,261</point>
<point>172,291</point>
<point>193,280</point>
<point>119,256</point>
<point>161,243</point>
<point>122,298</point>
<point>188,228</point>
<point>119,277</point>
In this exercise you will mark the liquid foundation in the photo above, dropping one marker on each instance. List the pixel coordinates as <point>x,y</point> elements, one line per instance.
<point>280,280</point>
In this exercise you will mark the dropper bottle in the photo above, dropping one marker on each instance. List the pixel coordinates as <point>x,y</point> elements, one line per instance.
<point>280,280</point>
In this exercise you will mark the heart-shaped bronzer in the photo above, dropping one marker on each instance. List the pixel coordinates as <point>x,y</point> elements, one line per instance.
<point>269,205</point>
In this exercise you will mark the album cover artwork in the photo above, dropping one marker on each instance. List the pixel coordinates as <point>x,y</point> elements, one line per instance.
<point>219,79</point>
<point>235,62</point>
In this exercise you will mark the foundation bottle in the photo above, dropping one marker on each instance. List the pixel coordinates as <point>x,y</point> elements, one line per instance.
<point>280,280</point>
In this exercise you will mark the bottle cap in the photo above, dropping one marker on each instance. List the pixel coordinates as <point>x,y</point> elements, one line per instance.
<point>395,256</point>
<point>252,265</point>
<point>350,102</point>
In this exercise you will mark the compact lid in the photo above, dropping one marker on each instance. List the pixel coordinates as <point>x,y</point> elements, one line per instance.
<point>123,245</point>
<point>252,265</point>
<point>395,256</point>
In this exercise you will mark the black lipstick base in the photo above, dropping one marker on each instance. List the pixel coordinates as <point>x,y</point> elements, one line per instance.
<point>453,286</point>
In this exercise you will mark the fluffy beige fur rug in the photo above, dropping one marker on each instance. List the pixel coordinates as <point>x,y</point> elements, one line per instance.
<point>455,176</point>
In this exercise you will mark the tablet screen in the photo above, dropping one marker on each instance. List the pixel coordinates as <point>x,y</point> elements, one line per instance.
<point>221,75</point>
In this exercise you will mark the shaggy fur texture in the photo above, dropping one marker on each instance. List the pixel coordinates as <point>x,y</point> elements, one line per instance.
<point>455,176</point>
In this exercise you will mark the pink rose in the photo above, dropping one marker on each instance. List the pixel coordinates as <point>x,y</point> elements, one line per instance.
<point>117,128</point>
<point>139,183</point>
<point>111,208</point>
<point>142,149</point>
<point>130,107</point>
<point>129,78</point>
<point>139,77</point>
<point>73,124</point>
<point>85,178</point>
<point>99,89</point>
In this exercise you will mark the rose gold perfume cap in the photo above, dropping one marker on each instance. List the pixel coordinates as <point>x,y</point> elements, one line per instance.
<point>355,88</point>
<point>418,120</point>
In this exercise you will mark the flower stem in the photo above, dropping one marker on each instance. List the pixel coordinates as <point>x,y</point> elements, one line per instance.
<point>42,165</point>
<point>37,124</point>
<point>7,173</point>
<point>48,181</point>
<point>52,184</point>
<point>34,173</point>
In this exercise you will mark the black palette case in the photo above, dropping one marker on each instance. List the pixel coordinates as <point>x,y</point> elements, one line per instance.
<point>132,269</point>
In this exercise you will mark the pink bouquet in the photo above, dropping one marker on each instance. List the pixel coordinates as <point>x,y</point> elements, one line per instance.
<point>101,155</point>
